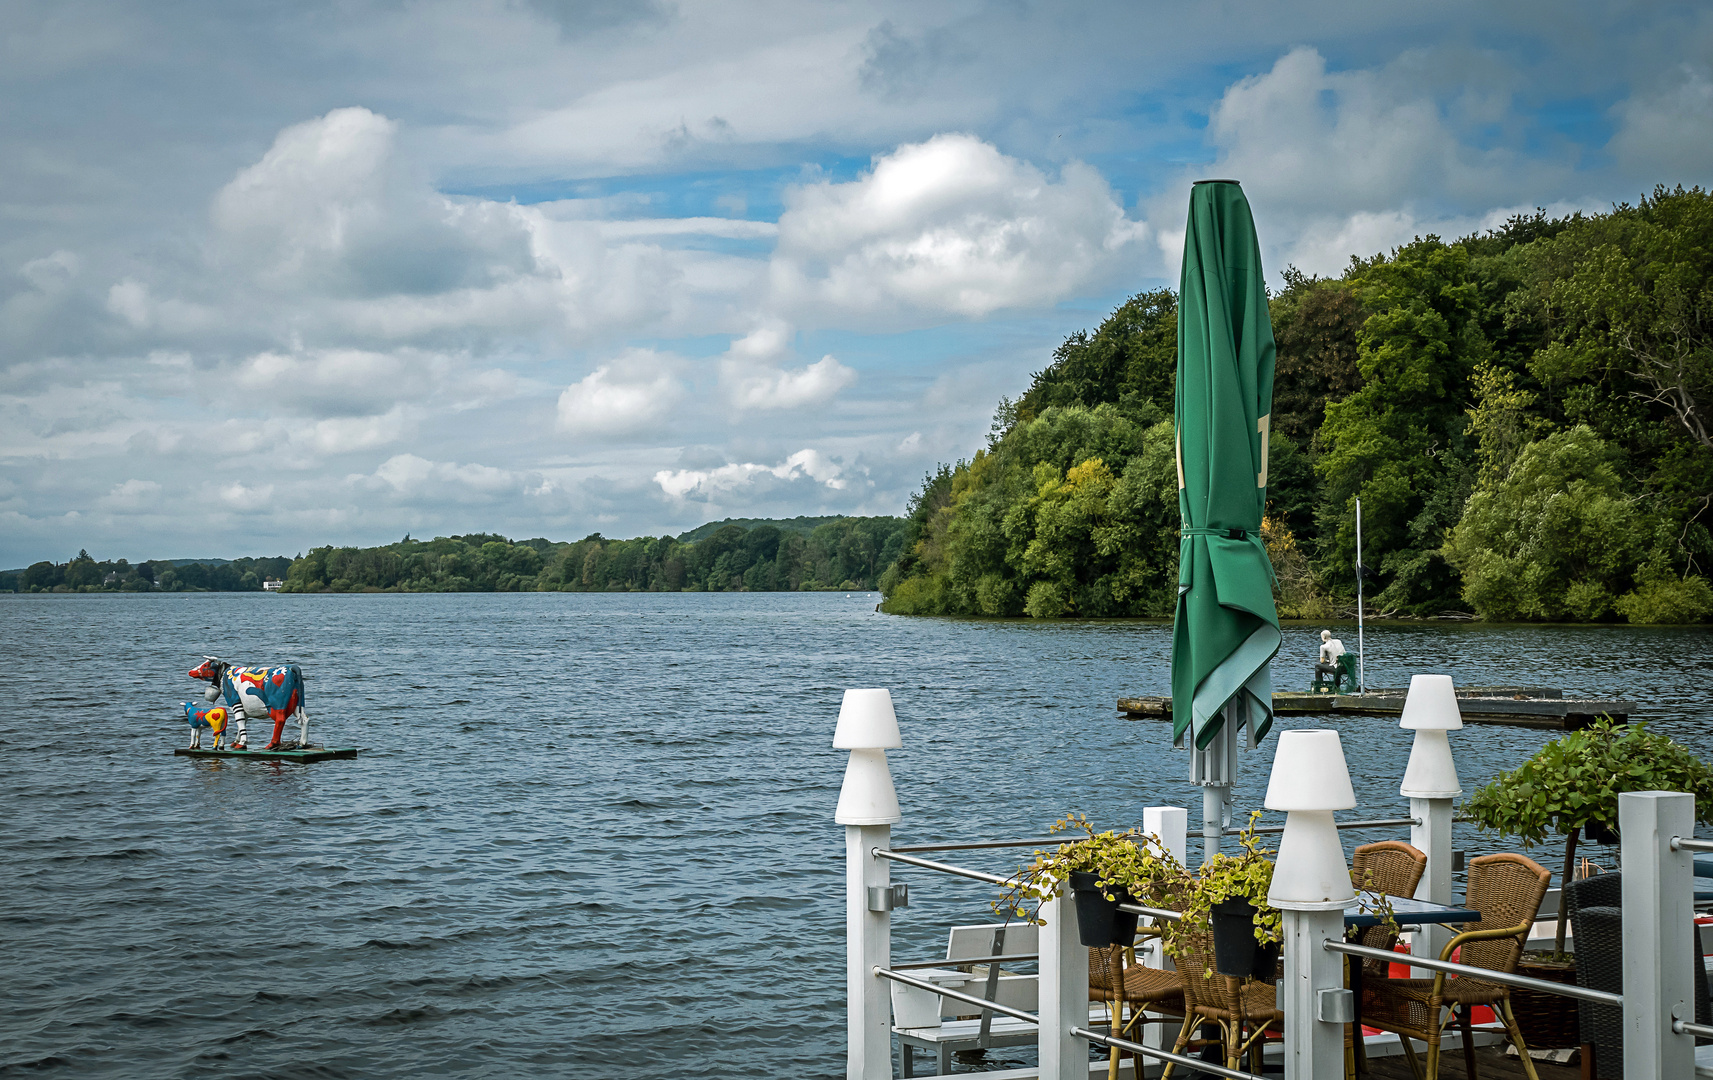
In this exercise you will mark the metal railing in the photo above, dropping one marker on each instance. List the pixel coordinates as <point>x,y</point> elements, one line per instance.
<point>967,961</point>
<point>1164,1055</point>
<point>1689,843</point>
<point>974,845</point>
<point>1377,823</point>
<point>1684,1027</point>
<point>944,868</point>
<point>1152,912</point>
<point>1523,982</point>
<point>959,995</point>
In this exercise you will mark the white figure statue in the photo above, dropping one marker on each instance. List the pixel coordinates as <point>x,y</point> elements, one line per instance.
<point>1330,648</point>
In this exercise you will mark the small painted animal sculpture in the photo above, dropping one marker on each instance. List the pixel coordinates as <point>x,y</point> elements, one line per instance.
<point>206,717</point>
<point>274,693</point>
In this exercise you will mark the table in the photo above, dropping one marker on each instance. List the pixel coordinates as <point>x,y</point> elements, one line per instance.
<point>1408,912</point>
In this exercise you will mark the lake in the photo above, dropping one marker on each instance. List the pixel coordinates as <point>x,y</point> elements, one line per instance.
<point>589,835</point>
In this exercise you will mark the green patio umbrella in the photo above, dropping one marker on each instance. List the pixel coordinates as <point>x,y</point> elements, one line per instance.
<point>1226,629</point>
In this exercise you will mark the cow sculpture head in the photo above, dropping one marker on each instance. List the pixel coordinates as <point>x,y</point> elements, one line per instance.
<point>210,671</point>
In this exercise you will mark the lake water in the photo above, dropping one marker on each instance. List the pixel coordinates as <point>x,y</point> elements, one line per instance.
<point>589,835</point>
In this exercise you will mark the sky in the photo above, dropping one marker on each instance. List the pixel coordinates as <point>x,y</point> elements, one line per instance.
<point>277,276</point>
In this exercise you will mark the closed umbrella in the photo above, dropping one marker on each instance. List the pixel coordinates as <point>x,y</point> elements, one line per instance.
<point>1226,629</point>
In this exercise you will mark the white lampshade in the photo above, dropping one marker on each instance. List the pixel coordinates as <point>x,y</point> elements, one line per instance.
<point>1310,872</point>
<point>1309,773</point>
<point>868,797</point>
<point>1431,773</point>
<point>866,722</point>
<point>1432,703</point>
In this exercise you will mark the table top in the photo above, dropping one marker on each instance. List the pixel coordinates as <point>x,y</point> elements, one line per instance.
<point>1410,912</point>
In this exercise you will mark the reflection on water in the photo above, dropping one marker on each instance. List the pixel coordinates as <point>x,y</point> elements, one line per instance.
<point>591,836</point>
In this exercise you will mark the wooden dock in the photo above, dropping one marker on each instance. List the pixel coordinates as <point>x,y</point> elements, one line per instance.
<point>1524,706</point>
<point>318,753</point>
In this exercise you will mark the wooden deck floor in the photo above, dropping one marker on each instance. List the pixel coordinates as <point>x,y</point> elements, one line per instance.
<point>1490,1062</point>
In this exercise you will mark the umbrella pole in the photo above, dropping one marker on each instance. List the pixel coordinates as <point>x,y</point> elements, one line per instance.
<point>1215,770</point>
<point>1361,670</point>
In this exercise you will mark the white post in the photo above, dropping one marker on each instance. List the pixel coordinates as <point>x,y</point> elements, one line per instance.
<point>1432,838</point>
<point>868,808</point>
<point>1063,992</point>
<point>1314,1048</point>
<point>1658,919</point>
<point>1171,825</point>
<point>868,945</point>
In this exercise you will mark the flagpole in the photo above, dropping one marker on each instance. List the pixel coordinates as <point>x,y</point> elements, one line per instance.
<point>1361,670</point>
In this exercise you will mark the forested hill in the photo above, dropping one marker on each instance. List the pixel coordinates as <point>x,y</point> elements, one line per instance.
<point>839,553</point>
<point>1523,413</point>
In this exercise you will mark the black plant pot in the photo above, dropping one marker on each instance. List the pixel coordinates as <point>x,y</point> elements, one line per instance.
<point>1099,922</point>
<point>1598,832</point>
<point>1235,950</point>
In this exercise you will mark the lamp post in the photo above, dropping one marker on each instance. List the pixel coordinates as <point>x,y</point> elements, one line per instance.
<point>1311,886</point>
<point>1430,783</point>
<point>868,808</point>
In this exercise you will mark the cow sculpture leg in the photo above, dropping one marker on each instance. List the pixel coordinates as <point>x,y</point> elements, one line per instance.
<point>242,740</point>
<point>302,728</point>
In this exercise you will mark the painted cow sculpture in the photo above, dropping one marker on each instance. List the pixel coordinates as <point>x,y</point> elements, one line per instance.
<point>206,716</point>
<point>274,693</point>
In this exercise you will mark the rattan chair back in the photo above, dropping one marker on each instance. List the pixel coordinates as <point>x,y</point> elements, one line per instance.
<point>1506,889</point>
<point>1394,868</point>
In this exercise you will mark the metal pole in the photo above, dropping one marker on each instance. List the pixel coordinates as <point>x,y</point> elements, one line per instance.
<point>868,945</point>
<point>1361,668</point>
<point>1432,837</point>
<point>1658,919</point>
<point>1214,769</point>
<point>1314,1047</point>
<point>1063,992</point>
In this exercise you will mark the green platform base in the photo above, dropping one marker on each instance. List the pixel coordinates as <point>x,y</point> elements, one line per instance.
<point>321,753</point>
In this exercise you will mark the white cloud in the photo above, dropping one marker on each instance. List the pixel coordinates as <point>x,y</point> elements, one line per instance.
<point>750,478</point>
<point>410,475</point>
<point>632,393</point>
<point>1666,136</point>
<point>950,226</point>
<point>754,387</point>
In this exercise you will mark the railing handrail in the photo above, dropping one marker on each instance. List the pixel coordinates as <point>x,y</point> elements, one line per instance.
<point>944,868</point>
<point>958,995</point>
<point>967,961</point>
<point>1684,1027</point>
<point>1376,823</point>
<point>1689,843</point>
<point>1152,912</point>
<point>1599,997</point>
<point>974,845</point>
<point>1163,1055</point>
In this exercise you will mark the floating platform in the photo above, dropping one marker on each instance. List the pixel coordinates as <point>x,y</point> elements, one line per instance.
<point>1524,706</point>
<point>314,753</point>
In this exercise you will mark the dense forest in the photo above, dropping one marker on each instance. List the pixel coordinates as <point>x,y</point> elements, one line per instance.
<point>837,553</point>
<point>730,556</point>
<point>85,574</point>
<point>1523,414</point>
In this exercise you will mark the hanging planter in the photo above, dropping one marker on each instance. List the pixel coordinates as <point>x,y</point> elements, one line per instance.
<point>1100,924</point>
<point>1235,950</point>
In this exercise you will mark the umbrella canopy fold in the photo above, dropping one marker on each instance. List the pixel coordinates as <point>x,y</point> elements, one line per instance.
<point>1226,628</point>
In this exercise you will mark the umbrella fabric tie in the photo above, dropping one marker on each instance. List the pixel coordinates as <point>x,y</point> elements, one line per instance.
<point>1229,534</point>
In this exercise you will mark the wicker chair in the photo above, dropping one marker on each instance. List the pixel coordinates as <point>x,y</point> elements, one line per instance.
<point>1596,918</point>
<point>1243,1008</point>
<point>1394,868</point>
<point>1130,990</point>
<point>1507,890</point>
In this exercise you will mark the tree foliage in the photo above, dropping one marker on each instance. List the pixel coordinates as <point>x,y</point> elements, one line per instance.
<point>1522,414</point>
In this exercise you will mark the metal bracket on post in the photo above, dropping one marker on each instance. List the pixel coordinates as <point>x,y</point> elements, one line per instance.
<point>888,897</point>
<point>1658,921</point>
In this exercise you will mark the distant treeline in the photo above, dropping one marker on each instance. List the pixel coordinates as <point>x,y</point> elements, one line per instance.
<point>85,574</point>
<point>799,554</point>
<point>840,553</point>
<point>1525,414</point>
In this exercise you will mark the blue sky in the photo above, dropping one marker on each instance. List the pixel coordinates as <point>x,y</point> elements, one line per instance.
<point>331,273</point>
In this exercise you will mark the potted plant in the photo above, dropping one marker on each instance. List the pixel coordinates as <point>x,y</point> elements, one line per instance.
<point>1102,870</point>
<point>1572,784</point>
